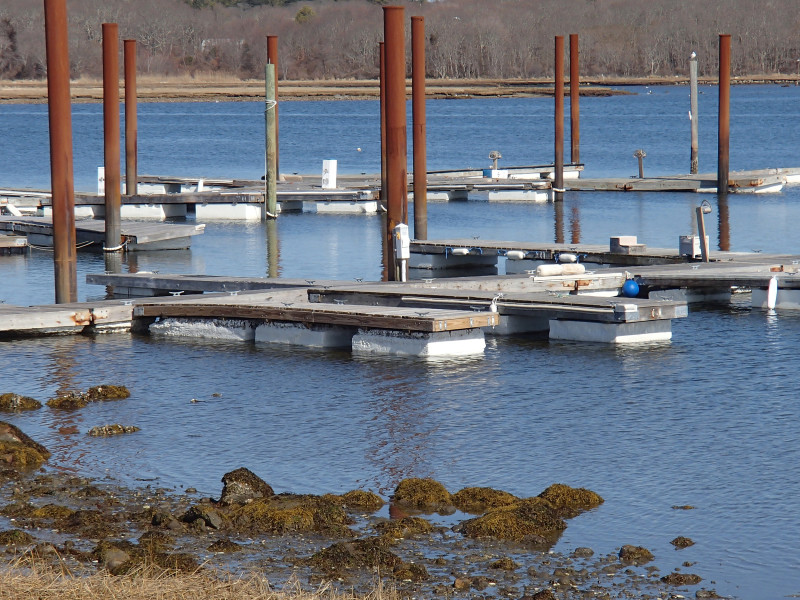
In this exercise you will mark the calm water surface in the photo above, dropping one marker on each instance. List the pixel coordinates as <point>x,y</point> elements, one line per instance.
<point>710,419</point>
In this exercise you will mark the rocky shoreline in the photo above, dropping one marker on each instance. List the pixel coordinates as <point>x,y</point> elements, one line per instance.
<point>478,542</point>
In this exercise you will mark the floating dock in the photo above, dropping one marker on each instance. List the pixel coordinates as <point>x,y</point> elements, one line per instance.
<point>13,244</point>
<point>90,234</point>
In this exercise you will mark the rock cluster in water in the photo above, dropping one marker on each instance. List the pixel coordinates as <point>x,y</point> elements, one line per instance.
<point>499,546</point>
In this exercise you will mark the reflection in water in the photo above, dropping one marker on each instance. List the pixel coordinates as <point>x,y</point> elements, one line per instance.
<point>558,208</point>
<point>724,223</point>
<point>403,423</point>
<point>385,242</point>
<point>273,249</point>
<point>575,225</point>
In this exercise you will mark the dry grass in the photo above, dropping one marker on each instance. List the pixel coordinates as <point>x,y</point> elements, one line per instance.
<point>42,583</point>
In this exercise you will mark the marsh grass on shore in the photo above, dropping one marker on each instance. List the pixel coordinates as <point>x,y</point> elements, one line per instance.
<point>26,580</point>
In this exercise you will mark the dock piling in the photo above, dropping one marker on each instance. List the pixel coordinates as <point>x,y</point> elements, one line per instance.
<point>272,58</point>
<point>639,154</point>
<point>131,128</point>
<point>382,80</point>
<point>396,135</point>
<point>694,113</point>
<point>61,170</point>
<point>111,134</point>
<point>558,162</point>
<point>418,119</point>
<point>723,146</point>
<point>270,118</point>
<point>574,100</point>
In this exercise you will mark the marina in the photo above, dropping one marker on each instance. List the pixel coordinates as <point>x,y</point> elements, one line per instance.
<point>627,420</point>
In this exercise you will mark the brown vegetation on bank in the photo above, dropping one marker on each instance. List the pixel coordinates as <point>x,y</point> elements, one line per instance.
<point>466,39</point>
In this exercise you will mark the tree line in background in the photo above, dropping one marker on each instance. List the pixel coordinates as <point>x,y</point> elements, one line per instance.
<point>325,39</point>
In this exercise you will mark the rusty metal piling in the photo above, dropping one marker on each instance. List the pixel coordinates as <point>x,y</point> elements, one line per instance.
<point>558,162</point>
<point>113,201</point>
<point>61,168</point>
<point>418,119</point>
<point>723,145</point>
<point>574,100</point>
<point>396,135</point>
<point>131,127</point>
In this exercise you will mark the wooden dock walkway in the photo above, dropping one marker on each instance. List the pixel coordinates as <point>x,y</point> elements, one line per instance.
<point>90,233</point>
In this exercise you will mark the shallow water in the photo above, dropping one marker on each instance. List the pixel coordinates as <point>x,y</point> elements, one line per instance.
<point>708,420</point>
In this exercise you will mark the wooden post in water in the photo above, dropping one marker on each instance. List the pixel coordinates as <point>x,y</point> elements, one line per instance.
<point>272,57</point>
<point>270,117</point>
<point>574,100</point>
<point>61,175</point>
<point>273,249</point>
<point>558,162</point>
<point>396,135</point>
<point>131,129</point>
<point>418,119</point>
<point>113,202</point>
<point>694,113</point>
<point>723,146</point>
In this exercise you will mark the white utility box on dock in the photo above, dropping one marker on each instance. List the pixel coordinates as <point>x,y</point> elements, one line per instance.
<point>689,245</point>
<point>329,168</point>
<point>495,173</point>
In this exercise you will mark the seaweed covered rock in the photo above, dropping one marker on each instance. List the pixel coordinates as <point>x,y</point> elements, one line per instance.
<point>681,579</point>
<point>68,401</point>
<point>569,501</point>
<point>15,402</point>
<point>115,429</point>
<point>404,527</point>
<point>18,451</point>
<point>224,546</point>
<point>481,499</point>
<point>370,553</point>
<point>635,555</point>
<point>682,542</point>
<point>16,537</point>
<point>74,400</point>
<point>107,392</point>
<point>362,500</point>
<point>531,520</point>
<point>409,571</point>
<point>288,513</point>
<point>423,494</point>
<point>122,557</point>
<point>242,485</point>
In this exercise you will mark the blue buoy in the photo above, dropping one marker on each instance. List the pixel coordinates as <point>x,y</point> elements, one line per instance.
<point>630,289</point>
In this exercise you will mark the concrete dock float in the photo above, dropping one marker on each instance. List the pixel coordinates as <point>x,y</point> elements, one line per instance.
<point>13,244</point>
<point>90,233</point>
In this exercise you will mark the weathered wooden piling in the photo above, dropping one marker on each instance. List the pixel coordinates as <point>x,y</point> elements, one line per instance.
<point>272,58</point>
<point>694,114</point>
<point>574,100</point>
<point>271,123</point>
<point>558,162</point>
<point>396,135</point>
<point>723,147</point>
<point>131,128</point>
<point>111,136</point>
<point>61,170</point>
<point>418,119</point>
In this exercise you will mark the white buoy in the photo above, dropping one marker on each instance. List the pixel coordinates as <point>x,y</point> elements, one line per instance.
<point>459,251</point>
<point>772,293</point>
<point>567,258</point>
<point>515,255</point>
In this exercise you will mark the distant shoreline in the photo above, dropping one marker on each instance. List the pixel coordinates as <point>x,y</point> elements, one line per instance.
<point>185,89</point>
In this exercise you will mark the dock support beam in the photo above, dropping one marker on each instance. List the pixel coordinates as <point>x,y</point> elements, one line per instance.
<point>131,129</point>
<point>113,202</point>
<point>396,135</point>
<point>272,58</point>
<point>270,117</point>
<point>418,119</point>
<point>694,114</point>
<point>723,148</point>
<point>574,100</point>
<point>61,170</point>
<point>558,162</point>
